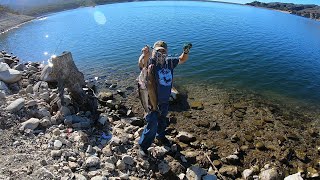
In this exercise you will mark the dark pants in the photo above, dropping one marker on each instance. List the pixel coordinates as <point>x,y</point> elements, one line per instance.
<point>156,126</point>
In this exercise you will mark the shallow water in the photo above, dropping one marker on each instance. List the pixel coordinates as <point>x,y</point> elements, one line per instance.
<point>235,47</point>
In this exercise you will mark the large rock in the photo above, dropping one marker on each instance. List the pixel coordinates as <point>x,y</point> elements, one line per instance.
<point>185,137</point>
<point>16,105</point>
<point>270,174</point>
<point>30,124</point>
<point>296,176</point>
<point>92,161</point>
<point>195,172</point>
<point>9,75</point>
<point>46,74</point>
<point>4,88</point>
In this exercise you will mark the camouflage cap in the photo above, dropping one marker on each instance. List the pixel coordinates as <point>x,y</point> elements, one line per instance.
<point>160,45</point>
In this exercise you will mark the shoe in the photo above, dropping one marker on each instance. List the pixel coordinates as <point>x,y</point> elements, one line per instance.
<point>164,142</point>
<point>142,152</point>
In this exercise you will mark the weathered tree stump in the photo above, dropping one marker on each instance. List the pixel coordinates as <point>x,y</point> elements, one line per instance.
<point>68,76</point>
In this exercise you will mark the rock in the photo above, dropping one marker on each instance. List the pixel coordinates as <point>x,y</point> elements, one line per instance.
<point>234,138</point>
<point>16,105</point>
<point>45,122</point>
<point>2,95</point>
<point>105,96</point>
<point>40,87</point>
<point>46,74</point>
<point>55,153</point>
<point>195,172</point>
<point>135,121</point>
<point>210,177</point>
<point>312,173</point>
<point>190,155</point>
<point>102,120</point>
<point>92,161</point>
<point>296,176</point>
<point>185,137</point>
<point>109,166</point>
<point>79,177</point>
<point>196,105</point>
<point>4,88</point>
<point>270,174</point>
<point>232,159</point>
<point>130,113</point>
<point>57,144</point>
<point>73,166</point>
<point>127,160</point>
<point>43,113</point>
<point>99,178</point>
<point>247,174</point>
<point>260,146</point>
<point>163,167</point>
<point>182,176</point>
<point>121,165</point>
<point>231,171</point>
<point>45,96</point>
<point>106,151</point>
<point>29,89</point>
<point>31,103</point>
<point>44,173</point>
<point>216,163</point>
<point>9,75</point>
<point>19,67</point>
<point>56,132</point>
<point>158,151</point>
<point>176,166</point>
<point>32,124</point>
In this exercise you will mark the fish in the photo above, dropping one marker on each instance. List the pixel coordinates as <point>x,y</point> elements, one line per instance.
<point>147,89</point>
<point>152,87</point>
<point>142,89</point>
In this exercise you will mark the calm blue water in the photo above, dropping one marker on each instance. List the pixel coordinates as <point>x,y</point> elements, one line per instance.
<point>269,52</point>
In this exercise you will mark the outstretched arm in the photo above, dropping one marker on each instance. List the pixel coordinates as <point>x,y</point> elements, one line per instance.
<point>184,56</point>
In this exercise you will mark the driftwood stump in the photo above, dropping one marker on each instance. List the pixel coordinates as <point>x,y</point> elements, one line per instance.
<point>68,76</point>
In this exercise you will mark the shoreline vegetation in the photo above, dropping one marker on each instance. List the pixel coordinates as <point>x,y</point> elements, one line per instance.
<point>308,11</point>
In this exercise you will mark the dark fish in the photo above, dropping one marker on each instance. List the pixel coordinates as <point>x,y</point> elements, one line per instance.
<point>152,88</point>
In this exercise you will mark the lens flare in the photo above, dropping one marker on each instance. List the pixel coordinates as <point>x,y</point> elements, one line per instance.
<point>99,17</point>
<point>45,53</point>
<point>47,36</point>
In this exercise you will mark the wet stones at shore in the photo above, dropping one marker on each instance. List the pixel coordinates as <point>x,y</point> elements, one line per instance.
<point>71,145</point>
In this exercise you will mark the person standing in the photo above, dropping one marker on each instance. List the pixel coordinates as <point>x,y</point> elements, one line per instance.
<point>164,66</point>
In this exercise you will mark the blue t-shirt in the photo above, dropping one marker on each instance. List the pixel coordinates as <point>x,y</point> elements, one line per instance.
<point>164,77</point>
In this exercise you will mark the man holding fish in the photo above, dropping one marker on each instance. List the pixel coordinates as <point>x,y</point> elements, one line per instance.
<point>155,83</point>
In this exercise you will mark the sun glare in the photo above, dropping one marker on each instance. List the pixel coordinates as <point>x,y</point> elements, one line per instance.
<point>99,17</point>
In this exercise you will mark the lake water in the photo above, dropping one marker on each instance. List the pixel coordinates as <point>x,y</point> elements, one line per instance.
<point>234,46</point>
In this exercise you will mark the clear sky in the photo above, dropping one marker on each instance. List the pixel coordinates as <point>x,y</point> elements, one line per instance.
<point>286,1</point>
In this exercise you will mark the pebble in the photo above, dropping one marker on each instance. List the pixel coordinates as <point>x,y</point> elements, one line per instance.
<point>229,170</point>
<point>163,167</point>
<point>127,160</point>
<point>56,153</point>
<point>31,124</point>
<point>270,174</point>
<point>195,173</point>
<point>121,165</point>
<point>185,137</point>
<point>92,161</point>
<point>57,144</point>
<point>109,166</point>
<point>296,176</point>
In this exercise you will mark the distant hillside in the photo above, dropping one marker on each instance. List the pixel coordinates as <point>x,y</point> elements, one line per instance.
<point>39,7</point>
<point>309,11</point>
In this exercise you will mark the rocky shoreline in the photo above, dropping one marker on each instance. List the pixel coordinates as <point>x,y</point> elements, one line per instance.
<point>216,135</point>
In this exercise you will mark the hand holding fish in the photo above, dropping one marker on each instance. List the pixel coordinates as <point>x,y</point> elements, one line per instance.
<point>145,50</point>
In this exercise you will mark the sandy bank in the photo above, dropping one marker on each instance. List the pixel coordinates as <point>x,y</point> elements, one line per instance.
<point>9,21</point>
